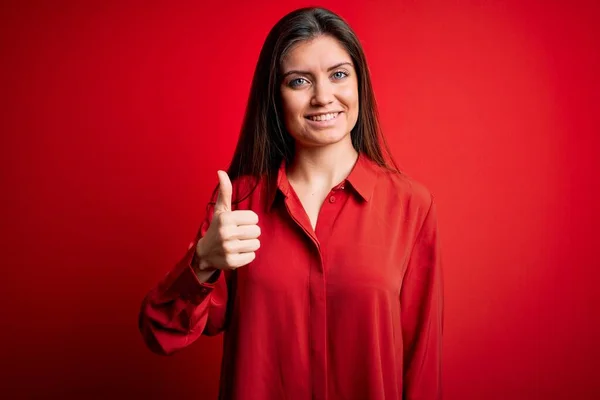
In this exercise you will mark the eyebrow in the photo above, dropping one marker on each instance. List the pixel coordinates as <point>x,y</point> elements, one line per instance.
<point>309,73</point>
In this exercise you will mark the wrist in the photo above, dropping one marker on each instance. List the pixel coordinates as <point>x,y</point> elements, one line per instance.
<point>204,266</point>
<point>199,263</point>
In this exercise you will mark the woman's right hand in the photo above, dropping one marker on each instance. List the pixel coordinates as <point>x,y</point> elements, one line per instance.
<point>232,237</point>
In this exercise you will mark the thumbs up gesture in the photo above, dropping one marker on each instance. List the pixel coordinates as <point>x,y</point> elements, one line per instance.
<point>232,238</point>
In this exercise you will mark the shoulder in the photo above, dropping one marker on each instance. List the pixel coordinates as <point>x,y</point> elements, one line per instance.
<point>405,191</point>
<point>242,184</point>
<point>246,191</point>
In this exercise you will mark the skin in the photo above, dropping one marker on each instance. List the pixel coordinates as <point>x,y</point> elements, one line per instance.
<point>318,77</point>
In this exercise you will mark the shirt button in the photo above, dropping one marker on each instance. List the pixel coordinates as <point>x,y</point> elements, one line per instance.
<point>332,199</point>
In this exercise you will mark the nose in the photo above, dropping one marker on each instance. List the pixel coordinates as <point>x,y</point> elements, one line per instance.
<point>322,93</point>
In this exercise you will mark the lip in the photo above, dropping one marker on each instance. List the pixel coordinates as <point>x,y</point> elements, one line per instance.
<point>324,124</point>
<point>322,113</point>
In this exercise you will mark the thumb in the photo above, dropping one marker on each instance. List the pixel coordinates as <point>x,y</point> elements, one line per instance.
<point>223,203</point>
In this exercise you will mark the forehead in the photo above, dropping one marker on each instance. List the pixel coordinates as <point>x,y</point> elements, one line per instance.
<point>319,53</point>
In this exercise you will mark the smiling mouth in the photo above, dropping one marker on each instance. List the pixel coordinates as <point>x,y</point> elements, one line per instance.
<point>323,117</point>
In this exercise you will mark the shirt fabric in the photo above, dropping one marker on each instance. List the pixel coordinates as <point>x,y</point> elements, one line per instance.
<point>350,310</point>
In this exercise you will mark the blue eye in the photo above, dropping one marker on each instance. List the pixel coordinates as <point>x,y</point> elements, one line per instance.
<point>340,75</point>
<point>297,82</point>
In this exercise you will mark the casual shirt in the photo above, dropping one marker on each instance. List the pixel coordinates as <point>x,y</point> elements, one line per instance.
<point>349,310</point>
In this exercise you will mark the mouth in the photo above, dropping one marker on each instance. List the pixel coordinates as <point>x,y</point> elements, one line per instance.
<point>323,117</point>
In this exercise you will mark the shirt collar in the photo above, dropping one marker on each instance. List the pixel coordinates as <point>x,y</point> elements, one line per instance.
<point>362,178</point>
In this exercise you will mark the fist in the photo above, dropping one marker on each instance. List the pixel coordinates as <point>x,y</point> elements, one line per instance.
<point>231,240</point>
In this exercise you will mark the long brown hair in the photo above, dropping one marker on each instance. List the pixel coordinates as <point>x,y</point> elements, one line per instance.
<point>264,142</point>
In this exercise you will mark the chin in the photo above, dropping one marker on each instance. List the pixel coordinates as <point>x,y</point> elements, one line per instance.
<point>323,137</point>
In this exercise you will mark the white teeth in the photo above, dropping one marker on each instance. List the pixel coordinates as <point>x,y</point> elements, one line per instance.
<point>324,117</point>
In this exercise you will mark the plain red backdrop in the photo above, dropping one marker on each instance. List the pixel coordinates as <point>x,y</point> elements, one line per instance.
<point>116,116</point>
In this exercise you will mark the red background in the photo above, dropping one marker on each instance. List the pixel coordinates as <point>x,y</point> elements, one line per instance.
<point>115,118</point>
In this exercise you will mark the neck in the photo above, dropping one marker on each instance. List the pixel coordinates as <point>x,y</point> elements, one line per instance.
<point>322,167</point>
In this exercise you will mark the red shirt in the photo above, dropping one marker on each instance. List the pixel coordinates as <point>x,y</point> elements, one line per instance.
<point>351,310</point>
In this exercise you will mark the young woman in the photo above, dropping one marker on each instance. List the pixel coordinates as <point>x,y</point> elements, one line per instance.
<point>317,259</point>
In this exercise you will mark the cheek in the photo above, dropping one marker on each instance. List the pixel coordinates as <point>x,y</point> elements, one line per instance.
<point>349,95</point>
<point>292,108</point>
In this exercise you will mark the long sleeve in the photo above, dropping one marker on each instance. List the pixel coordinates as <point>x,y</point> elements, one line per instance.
<point>181,308</point>
<point>421,303</point>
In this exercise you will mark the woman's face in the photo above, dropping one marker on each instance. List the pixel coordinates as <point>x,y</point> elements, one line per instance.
<point>319,92</point>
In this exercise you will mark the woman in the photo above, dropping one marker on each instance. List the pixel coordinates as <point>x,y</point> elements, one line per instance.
<point>318,260</point>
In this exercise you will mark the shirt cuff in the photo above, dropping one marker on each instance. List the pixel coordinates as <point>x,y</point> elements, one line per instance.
<point>182,280</point>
